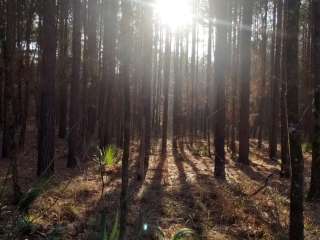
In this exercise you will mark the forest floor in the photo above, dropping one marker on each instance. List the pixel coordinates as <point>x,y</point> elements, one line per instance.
<point>179,191</point>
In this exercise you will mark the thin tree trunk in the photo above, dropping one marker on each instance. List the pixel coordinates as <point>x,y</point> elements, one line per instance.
<point>74,123</point>
<point>262,102</point>
<point>285,154</point>
<point>166,91</point>
<point>125,45</point>
<point>314,191</point>
<point>245,69</point>
<point>275,85</point>
<point>62,66</point>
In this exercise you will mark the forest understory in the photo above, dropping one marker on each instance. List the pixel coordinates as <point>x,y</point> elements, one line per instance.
<point>178,191</point>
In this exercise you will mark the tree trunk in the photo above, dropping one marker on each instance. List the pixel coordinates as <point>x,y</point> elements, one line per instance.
<point>275,85</point>
<point>220,64</point>
<point>245,69</point>
<point>146,89</point>
<point>262,99</point>
<point>166,91</point>
<point>125,46</point>
<point>109,65</point>
<point>314,191</point>
<point>10,96</point>
<point>296,195</point>
<point>47,85</point>
<point>285,154</point>
<point>62,66</point>
<point>74,124</point>
<point>92,66</point>
<point>176,97</point>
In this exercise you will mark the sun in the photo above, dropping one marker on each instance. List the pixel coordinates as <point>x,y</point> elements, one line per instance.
<point>174,13</point>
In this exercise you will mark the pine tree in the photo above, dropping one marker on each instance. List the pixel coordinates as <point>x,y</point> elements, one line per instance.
<point>46,146</point>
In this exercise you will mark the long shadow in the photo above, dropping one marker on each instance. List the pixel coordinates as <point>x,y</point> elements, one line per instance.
<point>273,226</point>
<point>150,204</point>
<point>108,205</point>
<point>185,194</point>
<point>208,201</point>
<point>209,185</point>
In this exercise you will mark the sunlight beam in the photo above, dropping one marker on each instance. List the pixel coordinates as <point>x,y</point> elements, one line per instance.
<point>174,13</point>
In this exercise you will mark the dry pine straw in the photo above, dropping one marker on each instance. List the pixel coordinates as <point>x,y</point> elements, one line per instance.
<point>178,191</point>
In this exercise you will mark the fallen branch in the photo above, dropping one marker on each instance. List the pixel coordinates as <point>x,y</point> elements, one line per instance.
<point>266,182</point>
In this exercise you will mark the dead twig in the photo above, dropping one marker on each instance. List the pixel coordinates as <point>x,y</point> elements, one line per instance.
<point>266,182</point>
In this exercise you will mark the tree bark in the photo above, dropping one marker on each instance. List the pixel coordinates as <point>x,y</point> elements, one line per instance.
<point>220,64</point>
<point>109,65</point>
<point>125,53</point>
<point>245,69</point>
<point>166,91</point>
<point>74,120</point>
<point>296,194</point>
<point>47,85</point>
<point>314,191</point>
<point>62,66</point>
<point>275,85</point>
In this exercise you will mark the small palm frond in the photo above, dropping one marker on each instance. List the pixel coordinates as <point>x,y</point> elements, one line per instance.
<point>103,224</point>
<point>160,234</point>
<point>185,233</point>
<point>107,156</point>
<point>115,232</point>
<point>115,229</point>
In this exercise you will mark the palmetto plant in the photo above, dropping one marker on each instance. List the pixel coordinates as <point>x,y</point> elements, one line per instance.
<point>180,234</point>
<point>107,156</point>
<point>114,234</point>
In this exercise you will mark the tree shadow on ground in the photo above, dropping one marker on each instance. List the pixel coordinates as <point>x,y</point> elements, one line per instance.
<point>149,202</point>
<point>241,200</point>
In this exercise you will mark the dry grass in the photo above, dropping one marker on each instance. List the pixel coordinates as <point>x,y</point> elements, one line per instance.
<point>178,191</point>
